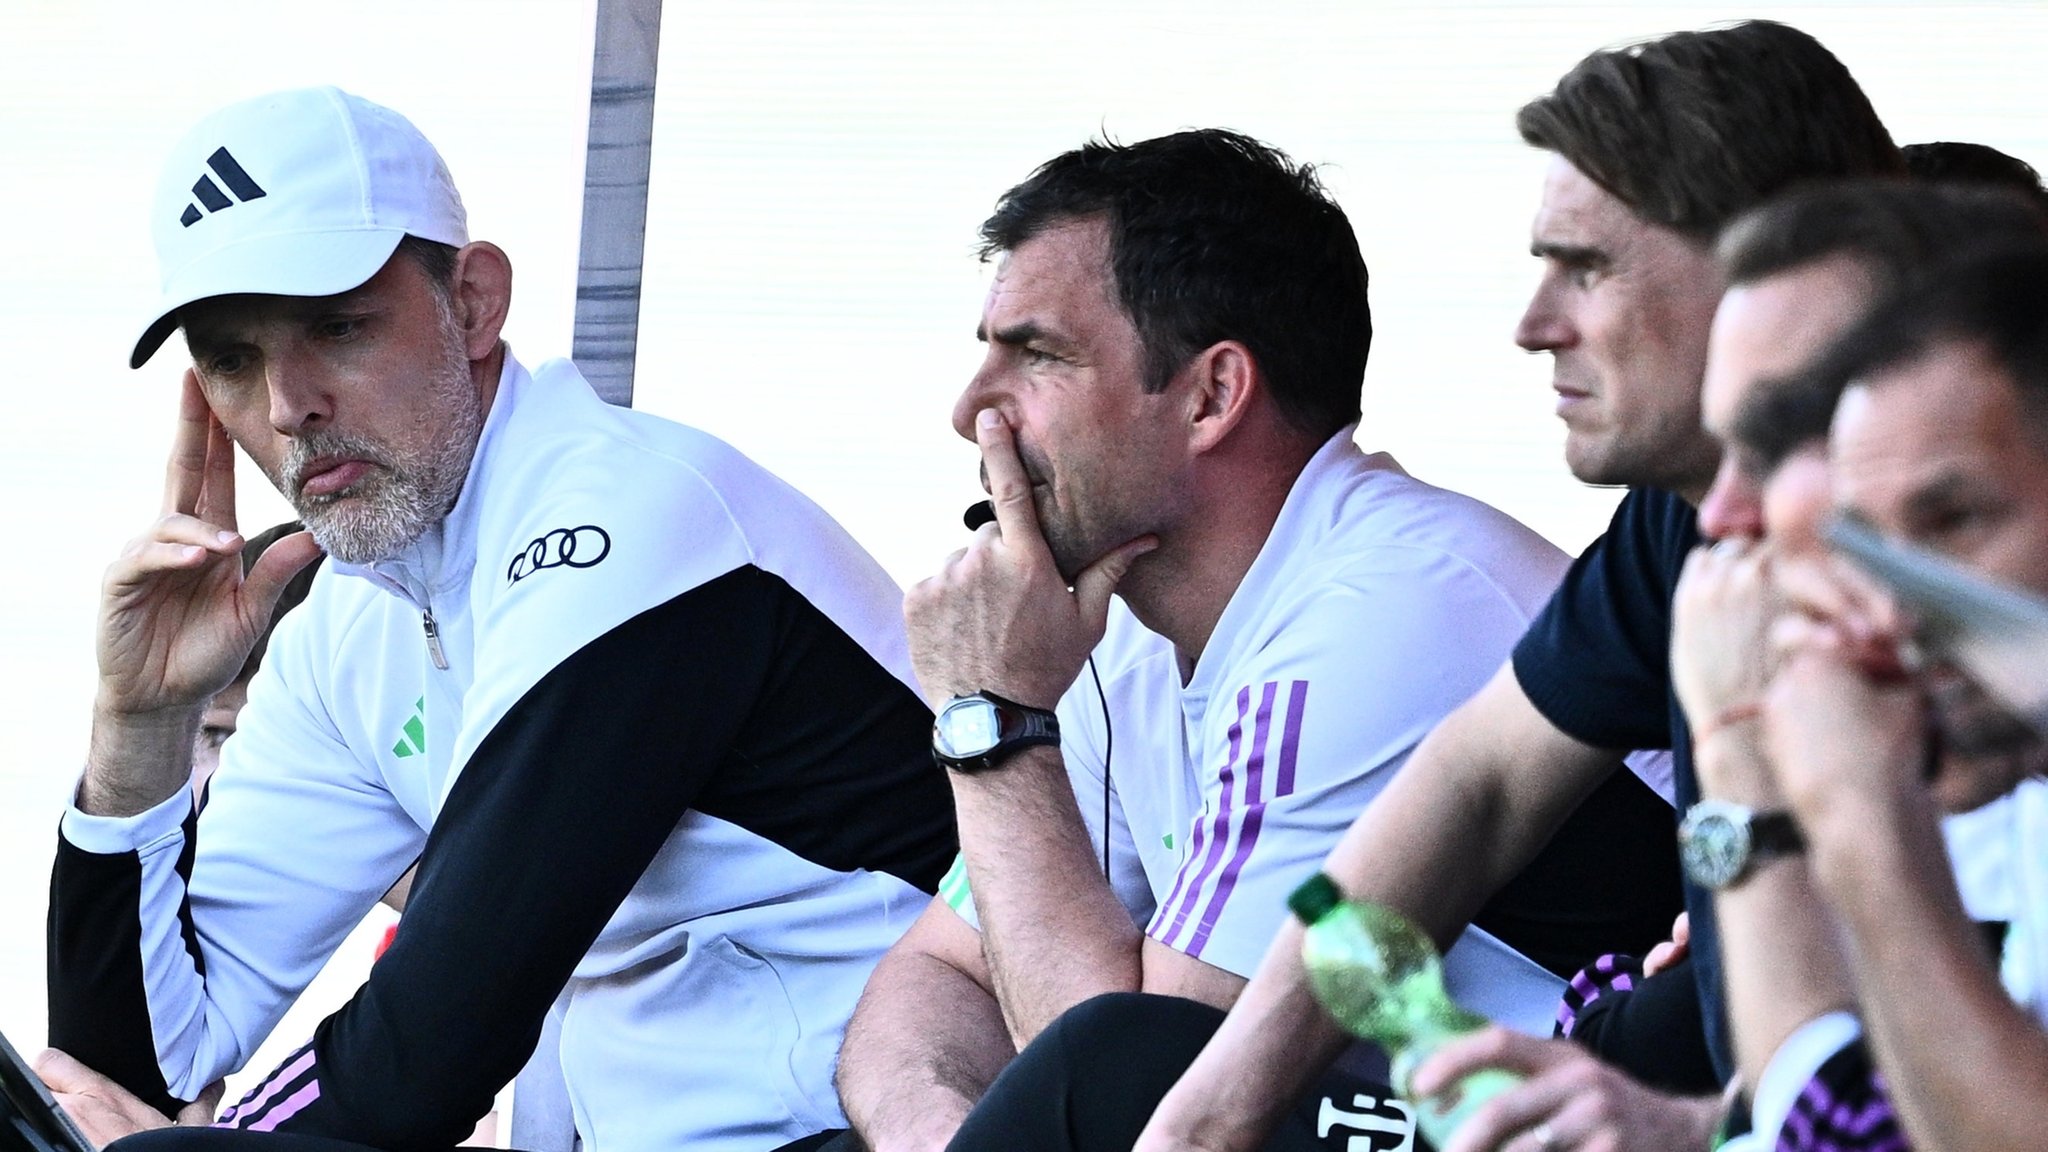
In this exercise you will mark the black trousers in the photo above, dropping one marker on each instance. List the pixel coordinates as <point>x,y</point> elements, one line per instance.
<point>232,1140</point>
<point>1087,1084</point>
<point>243,1140</point>
<point>1091,1081</point>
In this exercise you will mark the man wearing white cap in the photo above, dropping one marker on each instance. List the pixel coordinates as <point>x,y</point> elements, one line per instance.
<point>641,712</point>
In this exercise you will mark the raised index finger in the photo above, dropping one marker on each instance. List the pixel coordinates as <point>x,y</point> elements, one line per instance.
<point>185,477</point>
<point>1009,488</point>
<point>216,503</point>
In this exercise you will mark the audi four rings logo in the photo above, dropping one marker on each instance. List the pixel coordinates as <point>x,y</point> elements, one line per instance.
<point>563,548</point>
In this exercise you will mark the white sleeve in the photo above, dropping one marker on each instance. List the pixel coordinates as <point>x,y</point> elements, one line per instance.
<point>1308,729</point>
<point>296,842</point>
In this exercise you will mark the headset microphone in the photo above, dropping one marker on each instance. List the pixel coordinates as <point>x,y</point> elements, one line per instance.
<point>979,513</point>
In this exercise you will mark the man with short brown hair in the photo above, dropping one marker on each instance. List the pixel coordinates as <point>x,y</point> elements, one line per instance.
<point>1656,146</point>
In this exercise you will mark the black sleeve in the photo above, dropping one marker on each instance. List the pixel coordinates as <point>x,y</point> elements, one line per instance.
<point>1596,661</point>
<point>1607,881</point>
<point>99,1011</point>
<point>552,822</point>
<point>1647,1026</point>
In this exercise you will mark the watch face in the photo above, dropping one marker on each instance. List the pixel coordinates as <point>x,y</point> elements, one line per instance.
<point>1713,843</point>
<point>967,728</point>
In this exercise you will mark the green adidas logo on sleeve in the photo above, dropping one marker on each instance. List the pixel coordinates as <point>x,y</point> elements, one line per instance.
<point>412,737</point>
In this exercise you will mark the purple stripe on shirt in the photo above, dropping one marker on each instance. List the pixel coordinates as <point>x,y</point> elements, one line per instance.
<point>1297,701</point>
<point>289,1108</point>
<point>287,1072</point>
<point>1254,812</point>
<point>1844,1108</point>
<point>1192,850</point>
<point>1219,830</point>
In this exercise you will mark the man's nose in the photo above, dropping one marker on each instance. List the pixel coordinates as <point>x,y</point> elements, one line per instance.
<point>980,393</point>
<point>1733,508</point>
<point>299,397</point>
<point>1543,327</point>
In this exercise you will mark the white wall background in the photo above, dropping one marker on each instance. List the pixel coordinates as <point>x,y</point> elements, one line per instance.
<point>820,169</point>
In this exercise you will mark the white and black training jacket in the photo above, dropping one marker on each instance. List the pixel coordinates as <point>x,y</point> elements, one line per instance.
<point>643,713</point>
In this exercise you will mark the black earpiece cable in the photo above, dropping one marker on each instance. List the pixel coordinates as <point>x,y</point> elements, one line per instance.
<point>979,513</point>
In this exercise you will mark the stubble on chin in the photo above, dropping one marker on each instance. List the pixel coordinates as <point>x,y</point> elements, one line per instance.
<point>400,499</point>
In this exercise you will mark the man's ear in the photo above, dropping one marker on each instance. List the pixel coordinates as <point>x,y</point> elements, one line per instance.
<point>1225,379</point>
<point>482,296</point>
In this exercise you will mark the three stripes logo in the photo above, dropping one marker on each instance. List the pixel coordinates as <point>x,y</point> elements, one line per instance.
<point>412,736</point>
<point>209,194</point>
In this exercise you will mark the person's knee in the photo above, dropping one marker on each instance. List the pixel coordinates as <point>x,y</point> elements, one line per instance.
<point>170,1140</point>
<point>1116,1031</point>
<point>186,1139</point>
<point>1090,1081</point>
<point>165,1140</point>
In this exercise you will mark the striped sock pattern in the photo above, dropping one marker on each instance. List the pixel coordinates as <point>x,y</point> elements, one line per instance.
<point>1613,972</point>
<point>1845,1108</point>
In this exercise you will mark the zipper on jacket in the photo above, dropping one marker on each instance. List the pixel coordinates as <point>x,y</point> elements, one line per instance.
<point>434,639</point>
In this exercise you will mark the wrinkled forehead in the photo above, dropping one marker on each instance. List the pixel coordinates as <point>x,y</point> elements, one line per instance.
<point>1942,422</point>
<point>1766,333</point>
<point>1575,211</point>
<point>1060,277</point>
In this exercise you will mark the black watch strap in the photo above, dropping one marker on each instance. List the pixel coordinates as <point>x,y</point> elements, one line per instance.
<point>1018,726</point>
<point>1721,843</point>
<point>1774,833</point>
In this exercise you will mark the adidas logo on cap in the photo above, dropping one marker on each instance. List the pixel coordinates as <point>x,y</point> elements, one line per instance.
<point>231,174</point>
<point>343,181</point>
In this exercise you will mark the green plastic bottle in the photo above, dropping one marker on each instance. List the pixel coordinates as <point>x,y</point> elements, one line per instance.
<point>1381,977</point>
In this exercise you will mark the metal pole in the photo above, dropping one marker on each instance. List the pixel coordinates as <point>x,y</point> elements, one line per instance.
<point>615,195</point>
<point>614,244</point>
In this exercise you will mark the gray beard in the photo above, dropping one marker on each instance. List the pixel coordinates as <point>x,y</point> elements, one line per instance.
<point>396,503</point>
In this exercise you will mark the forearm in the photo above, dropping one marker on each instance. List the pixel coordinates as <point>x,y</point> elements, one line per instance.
<point>1781,959</point>
<point>1053,932</point>
<point>1781,954</point>
<point>1275,1042</point>
<point>136,759</point>
<point>1934,1012</point>
<point>921,1049</point>
<point>1447,832</point>
<point>1278,1039</point>
<point>1476,801</point>
<point>115,951</point>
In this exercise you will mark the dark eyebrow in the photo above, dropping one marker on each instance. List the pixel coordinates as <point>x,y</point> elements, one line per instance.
<point>1015,335</point>
<point>1573,255</point>
<point>1781,416</point>
<point>1023,333</point>
<point>1945,490</point>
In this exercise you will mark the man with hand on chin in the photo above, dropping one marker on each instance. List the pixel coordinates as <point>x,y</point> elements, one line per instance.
<point>1201,633</point>
<point>639,711</point>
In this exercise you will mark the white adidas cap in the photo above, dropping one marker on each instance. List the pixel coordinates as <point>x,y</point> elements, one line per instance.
<point>302,193</point>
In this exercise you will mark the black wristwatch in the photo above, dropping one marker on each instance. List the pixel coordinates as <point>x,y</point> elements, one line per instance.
<point>1721,842</point>
<point>978,732</point>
